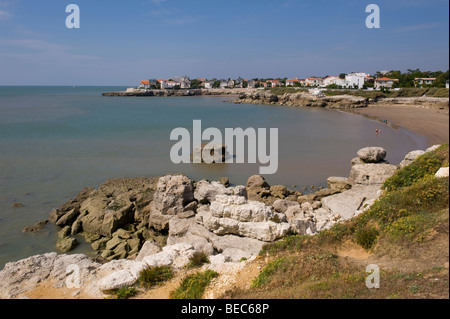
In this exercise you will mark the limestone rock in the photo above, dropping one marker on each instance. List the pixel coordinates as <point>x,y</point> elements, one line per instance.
<point>206,192</point>
<point>173,193</point>
<point>66,244</point>
<point>348,203</point>
<point>410,158</point>
<point>338,183</point>
<point>282,205</point>
<point>371,174</point>
<point>372,154</point>
<point>443,172</point>
<point>148,249</point>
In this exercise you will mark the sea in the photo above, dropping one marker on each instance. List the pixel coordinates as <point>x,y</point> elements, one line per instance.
<point>55,141</point>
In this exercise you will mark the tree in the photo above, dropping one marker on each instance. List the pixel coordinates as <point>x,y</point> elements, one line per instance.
<point>441,80</point>
<point>342,76</point>
<point>195,84</point>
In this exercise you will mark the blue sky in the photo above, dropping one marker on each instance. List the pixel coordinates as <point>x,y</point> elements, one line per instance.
<point>122,42</point>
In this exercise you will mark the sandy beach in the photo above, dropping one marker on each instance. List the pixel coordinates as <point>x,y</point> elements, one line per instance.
<point>428,122</point>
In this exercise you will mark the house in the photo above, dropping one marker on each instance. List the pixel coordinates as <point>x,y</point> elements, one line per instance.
<point>171,84</point>
<point>276,83</point>
<point>231,84</point>
<point>292,82</point>
<point>420,82</point>
<point>183,81</point>
<point>314,81</point>
<point>356,80</point>
<point>208,84</point>
<point>145,84</point>
<point>384,82</point>
<point>251,84</point>
<point>165,84</point>
<point>334,80</point>
<point>223,84</point>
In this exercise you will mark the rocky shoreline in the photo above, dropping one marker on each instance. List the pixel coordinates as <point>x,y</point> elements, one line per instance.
<point>301,99</point>
<point>175,93</point>
<point>337,102</point>
<point>136,223</point>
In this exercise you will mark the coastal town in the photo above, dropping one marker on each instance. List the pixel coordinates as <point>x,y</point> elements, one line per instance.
<point>360,80</point>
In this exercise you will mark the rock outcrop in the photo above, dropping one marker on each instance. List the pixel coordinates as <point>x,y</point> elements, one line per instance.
<point>139,223</point>
<point>302,99</point>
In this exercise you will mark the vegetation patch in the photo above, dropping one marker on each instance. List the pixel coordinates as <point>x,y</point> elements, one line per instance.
<point>198,259</point>
<point>125,293</point>
<point>409,222</point>
<point>155,276</point>
<point>194,286</point>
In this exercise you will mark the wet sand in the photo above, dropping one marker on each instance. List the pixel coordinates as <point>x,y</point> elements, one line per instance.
<point>431,123</point>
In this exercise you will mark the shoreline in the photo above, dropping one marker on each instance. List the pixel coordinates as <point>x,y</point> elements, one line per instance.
<point>430,123</point>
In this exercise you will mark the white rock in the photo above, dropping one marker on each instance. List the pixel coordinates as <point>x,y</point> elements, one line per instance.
<point>432,148</point>
<point>372,154</point>
<point>371,174</point>
<point>347,203</point>
<point>206,192</point>
<point>410,158</point>
<point>443,172</point>
<point>116,280</point>
<point>149,248</point>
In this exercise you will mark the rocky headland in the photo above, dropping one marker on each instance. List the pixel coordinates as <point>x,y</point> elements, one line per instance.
<point>136,223</point>
<point>304,99</point>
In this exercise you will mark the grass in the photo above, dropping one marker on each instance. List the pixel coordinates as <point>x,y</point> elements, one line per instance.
<point>198,259</point>
<point>125,293</point>
<point>425,166</point>
<point>409,223</point>
<point>154,276</point>
<point>194,286</point>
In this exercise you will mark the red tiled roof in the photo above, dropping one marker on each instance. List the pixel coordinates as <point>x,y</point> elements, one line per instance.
<point>145,82</point>
<point>385,79</point>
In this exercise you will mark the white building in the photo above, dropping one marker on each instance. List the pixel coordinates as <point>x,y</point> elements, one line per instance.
<point>356,80</point>
<point>334,80</point>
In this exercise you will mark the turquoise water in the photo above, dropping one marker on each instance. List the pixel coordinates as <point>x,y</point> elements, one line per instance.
<point>54,141</point>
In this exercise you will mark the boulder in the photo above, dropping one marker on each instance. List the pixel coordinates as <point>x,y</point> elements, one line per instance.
<point>206,192</point>
<point>149,248</point>
<point>68,218</point>
<point>371,174</point>
<point>282,205</point>
<point>346,204</point>
<point>339,183</point>
<point>239,209</point>
<point>257,187</point>
<point>443,172</point>
<point>410,158</point>
<point>173,193</point>
<point>372,154</point>
<point>66,244</point>
<point>116,280</point>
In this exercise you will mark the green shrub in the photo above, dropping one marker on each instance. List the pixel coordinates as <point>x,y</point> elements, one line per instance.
<point>198,259</point>
<point>194,286</point>
<point>425,165</point>
<point>154,276</point>
<point>427,195</point>
<point>366,237</point>
<point>125,292</point>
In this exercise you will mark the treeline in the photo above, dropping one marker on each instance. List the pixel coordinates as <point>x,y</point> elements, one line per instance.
<point>407,80</point>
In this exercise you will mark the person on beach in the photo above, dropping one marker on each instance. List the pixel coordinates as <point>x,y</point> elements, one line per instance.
<point>377,131</point>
